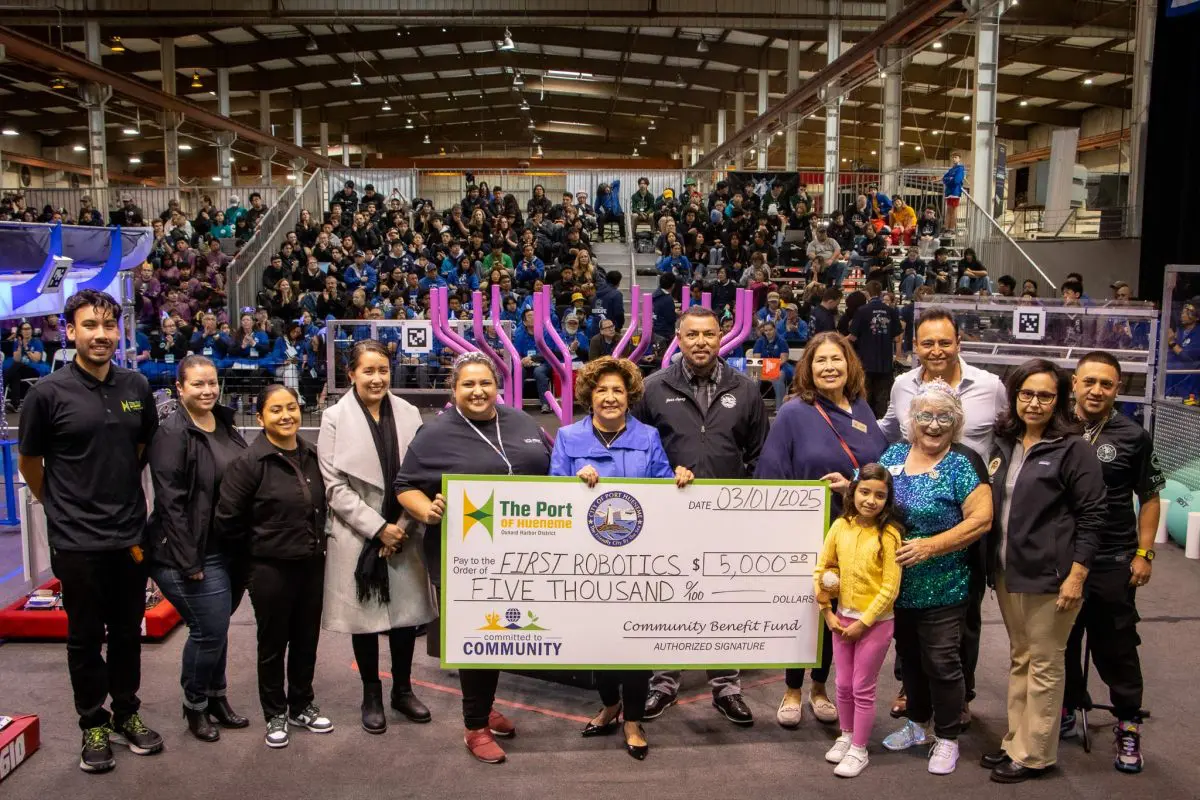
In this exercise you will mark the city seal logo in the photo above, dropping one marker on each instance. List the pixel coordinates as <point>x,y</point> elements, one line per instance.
<point>477,515</point>
<point>1106,453</point>
<point>615,519</point>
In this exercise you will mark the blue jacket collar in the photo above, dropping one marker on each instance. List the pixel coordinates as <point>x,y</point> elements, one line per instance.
<point>579,441</point>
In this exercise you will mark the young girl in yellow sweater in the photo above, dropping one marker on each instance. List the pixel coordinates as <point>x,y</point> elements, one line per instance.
<point>858,566</point>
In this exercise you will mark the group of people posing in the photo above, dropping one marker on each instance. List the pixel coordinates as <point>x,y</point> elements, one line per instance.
<point>965,483</point>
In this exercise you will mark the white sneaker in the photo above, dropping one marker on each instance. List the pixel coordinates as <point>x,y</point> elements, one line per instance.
<point>852,764</point>
<point>943,756</point>
<point>277,732</point>
<point>312,719</point>
<point>911,735</point>
<point>835,754</point>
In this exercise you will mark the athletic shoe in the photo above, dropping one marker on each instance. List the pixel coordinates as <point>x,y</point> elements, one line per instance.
<point>910,735</point>
<point>852,764</point>
<point>1066,725</point>
<point>943,756</point>
<point>482,745</point>
<point>134,734</point>
<point>835,754</point>
<point>97,754</point>
<point>1128,746</point>
<point>312,719</point>
<point>277,731</point>
<point>501,725</point>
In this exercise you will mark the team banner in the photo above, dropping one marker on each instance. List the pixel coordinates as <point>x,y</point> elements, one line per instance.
<point>545,573</point>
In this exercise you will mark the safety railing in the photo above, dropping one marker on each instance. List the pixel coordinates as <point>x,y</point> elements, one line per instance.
<point>151,201</point>
<point>994,248</point>
<point>243,276</point>
<point>1035,222</point>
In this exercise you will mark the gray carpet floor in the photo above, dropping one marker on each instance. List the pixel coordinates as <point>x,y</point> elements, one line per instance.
<point>694,752</point>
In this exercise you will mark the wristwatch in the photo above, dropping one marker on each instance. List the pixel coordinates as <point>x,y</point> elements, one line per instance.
<point>1146,554</point>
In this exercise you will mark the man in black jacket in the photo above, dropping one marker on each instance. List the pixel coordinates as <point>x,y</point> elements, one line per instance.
<point>712,420</point>
<point>1123,560</point>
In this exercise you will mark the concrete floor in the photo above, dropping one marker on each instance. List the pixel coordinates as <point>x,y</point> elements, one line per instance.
<point>694,752</point>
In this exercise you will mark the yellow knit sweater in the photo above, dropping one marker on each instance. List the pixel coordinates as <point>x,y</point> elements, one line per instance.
<point>865,563</point>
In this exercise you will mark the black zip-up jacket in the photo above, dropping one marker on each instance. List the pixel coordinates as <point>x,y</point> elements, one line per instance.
<point>275,506</point>
<point>179,531</point>
<point>725,442</point>
<point>1057,514</point>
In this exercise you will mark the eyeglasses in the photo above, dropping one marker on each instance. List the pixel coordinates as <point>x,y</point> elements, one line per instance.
<point>1043,398</point>
<point>945,419</point>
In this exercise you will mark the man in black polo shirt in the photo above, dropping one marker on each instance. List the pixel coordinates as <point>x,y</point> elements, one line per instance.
<point>1123,561</point>
<point>83,432</point>
<point>875,330</point>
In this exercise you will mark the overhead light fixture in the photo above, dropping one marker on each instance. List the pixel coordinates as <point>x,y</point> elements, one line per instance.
<point>135,160</point>
<point>507,43</point>
<point>873,152</point>
<point>651,124</point>
<point>1023,103</point>
<point>212,93</point>
<point>664,108</point>
<point>184,146</point>
<point>196,82</point>
<point>531,126</point>
<point>216,178</point>
<point>539,150</point>
<point>408,125</point>
<point>537,139</point>
<point>524,104</point>
<point>752,151</point>
<point>518,80</point>
<point>356,81</point>
<point>844,160</point>
<point>79,148</point>
<point>702,45</point>
<point>130,130</point>
<point>1087,81</point>
<point>426,139</point>
<point>58,84</point>
<point>387,105</point>
<point>635,152</point>
<point>966,117</point>
<point>643,140</point>
<point>116,45</point>
<point>882,74</point>
<point>937,45</point>
<point>9,131</point>
<point>917,147</point>
<point>232,159</point>
<point>680,83</point>
<point>441,151</point>
<point>312,46</point>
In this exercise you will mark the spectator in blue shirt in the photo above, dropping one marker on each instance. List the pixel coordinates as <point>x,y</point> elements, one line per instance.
<point>771,345</point>
<point>792,329</point>
<point>210,342</point>
<point>531,358</point>
<point>677,264</point>
<point>530,268</point>
<point>772,312</point>
<point>249,346</point>
<point>431,279</point>
<point>575,339</point>
<point>465,276</point>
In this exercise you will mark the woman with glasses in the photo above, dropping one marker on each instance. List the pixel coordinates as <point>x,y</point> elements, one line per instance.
<point>1049,510</point>
<point>945,503</point>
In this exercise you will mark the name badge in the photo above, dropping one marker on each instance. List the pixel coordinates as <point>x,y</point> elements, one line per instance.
<point>208,351</point>
<point>858,426</point>
<point>254,352</point>
<point>170,358</point>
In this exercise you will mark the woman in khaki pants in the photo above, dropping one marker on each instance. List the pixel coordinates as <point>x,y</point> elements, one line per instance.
<point>1048,498</point>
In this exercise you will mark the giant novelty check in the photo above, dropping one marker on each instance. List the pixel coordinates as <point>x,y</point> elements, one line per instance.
<point>545,573</point>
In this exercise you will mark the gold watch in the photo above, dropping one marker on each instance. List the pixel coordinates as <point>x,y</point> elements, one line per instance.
<point>1146,554</point>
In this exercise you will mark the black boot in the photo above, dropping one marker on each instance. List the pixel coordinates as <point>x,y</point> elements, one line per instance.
<point>404,701</point>
<point>200,725</point>
<point>373,718</point>
<point>224,715</point>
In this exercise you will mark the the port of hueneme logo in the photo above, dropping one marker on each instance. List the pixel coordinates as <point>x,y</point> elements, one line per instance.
<point>477,515</point>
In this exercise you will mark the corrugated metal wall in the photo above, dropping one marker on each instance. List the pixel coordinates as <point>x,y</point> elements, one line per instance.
<point>385,181</point>
<point>586,180</point>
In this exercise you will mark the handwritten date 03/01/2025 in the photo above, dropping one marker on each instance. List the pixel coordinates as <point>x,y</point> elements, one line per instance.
<point>761,498</point>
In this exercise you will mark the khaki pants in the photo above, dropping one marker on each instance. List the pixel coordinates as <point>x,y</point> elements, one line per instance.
<point>1037,635</point>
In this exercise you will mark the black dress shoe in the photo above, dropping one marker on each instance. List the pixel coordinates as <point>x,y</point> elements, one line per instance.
<point>220,710</point>
<point>404,701</point>
<point>374,720</point>
<point>200,725</point>
<point>734,708</point>
<point>1012,772</point>
<point>638,751</point>
<point>606,729</point>
<point>657,702</point>
<point>993,760</point>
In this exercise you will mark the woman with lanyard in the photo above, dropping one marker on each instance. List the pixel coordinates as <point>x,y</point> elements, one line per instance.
<point>825,432</point>
<point>476,437</point>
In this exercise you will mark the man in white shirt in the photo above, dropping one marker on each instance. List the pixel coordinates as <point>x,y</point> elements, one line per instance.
<point>936,343</point>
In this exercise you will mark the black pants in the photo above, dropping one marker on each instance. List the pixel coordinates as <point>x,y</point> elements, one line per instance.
<point>879,391</point>
<point>401,642</point>
<point>972,630</point>
<point>479,692</point>
<point>15,377</point>
<point>928,639</point>
<point>103,592</point>
<point>794,677</point>
<point>603,217</point>
<point>1110,617</point>
<point>287,597</point>
<point>629,687</point>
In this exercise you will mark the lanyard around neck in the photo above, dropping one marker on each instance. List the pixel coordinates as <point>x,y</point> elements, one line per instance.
<point>499,438</point>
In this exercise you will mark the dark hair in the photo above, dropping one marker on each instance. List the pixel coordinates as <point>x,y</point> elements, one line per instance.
<point>934,314</point>
<point>1007,280</point>
<point>188,363</point>
<point>1075,276</point>
<point>941,251</point>
<point>698,312</point>
<point>874,288</point>
<point>613,277</point>
<point>1073,286</point>
<point>366,346</point>
<point>271,389</point>
<point>803,385</point>
<point>101,301</point>
<point>590,374</point>
<point>832,293</point>
<point>1062,422</point>
<point>888,516</point>
<point>1100,357</point>
<point>666,281</point>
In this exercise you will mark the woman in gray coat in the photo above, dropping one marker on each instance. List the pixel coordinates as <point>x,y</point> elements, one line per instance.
<point>375,581</point>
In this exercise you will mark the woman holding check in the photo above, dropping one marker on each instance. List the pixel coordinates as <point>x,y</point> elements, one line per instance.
<point>610,443</point>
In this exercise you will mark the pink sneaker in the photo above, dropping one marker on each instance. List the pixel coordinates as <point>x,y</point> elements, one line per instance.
<point>483,746</point>
<point>500,725</point>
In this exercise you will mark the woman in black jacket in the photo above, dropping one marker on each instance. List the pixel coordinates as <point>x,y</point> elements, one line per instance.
<point>1048,499</point>
<point>273,501</point>
<point>188,456</point>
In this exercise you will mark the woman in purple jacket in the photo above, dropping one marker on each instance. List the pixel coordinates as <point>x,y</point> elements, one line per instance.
<point>824,433</point>
<point>609,443</point>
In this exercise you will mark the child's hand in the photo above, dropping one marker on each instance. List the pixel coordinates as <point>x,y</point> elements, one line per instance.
<point>854,632</point>
<point>831,622</point>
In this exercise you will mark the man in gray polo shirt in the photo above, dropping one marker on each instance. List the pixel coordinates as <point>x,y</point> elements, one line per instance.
<point>936,343</point>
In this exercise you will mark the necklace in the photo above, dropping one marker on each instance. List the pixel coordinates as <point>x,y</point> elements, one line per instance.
<point>1092,432</point>
<point>607,438</point>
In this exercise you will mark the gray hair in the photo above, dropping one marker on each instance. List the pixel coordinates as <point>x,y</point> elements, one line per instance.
<point>937,396</point>
<point>471,357</point>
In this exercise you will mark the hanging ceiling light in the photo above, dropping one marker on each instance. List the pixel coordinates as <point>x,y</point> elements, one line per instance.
<point>312,45</point>
<point>58,84</point>
<point>408,125</point>
<point>524,104</point>
<point>116,45</point>
<point>937,45</point>
<point>79,148</point>
<point>130,130</point>
<point>643,140</point>
<point>356,81</point>
<point>135,160</point>
<point>387,105</point>
<point>518,80</point>
<point>196,82</point>
<point>664,108</point>
<point>507,44</point>
<point>1087,81</point>
<point>1024,103</point>
<point>537,139</point>
<point>539,150</point>
<point>702,45</point>
<point>531,126</point>
<point>680,83</point>
<point>635,152</point>
<point>651,124</point>
<point>8,131</point>
<point>184,146</point>
<point>966,117</point>
<point>426,139</point>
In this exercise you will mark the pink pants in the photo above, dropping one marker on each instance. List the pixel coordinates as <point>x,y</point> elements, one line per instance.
<point>858,664</point>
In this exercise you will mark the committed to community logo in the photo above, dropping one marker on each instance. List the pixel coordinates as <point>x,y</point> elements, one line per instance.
<point>512,621</point>
<point>477,515</point>
<point>615,519</point>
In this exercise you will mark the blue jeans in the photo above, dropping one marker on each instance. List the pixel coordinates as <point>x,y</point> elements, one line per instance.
<point>783,383</point>
<point>541,377</point>
<point>834,274</point>
<point>206,606</point>
<point>974,284</point>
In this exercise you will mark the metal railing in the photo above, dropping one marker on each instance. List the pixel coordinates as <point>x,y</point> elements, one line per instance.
<point>151,200</point>
<point>994,248</point>
<point>1035,222</point>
